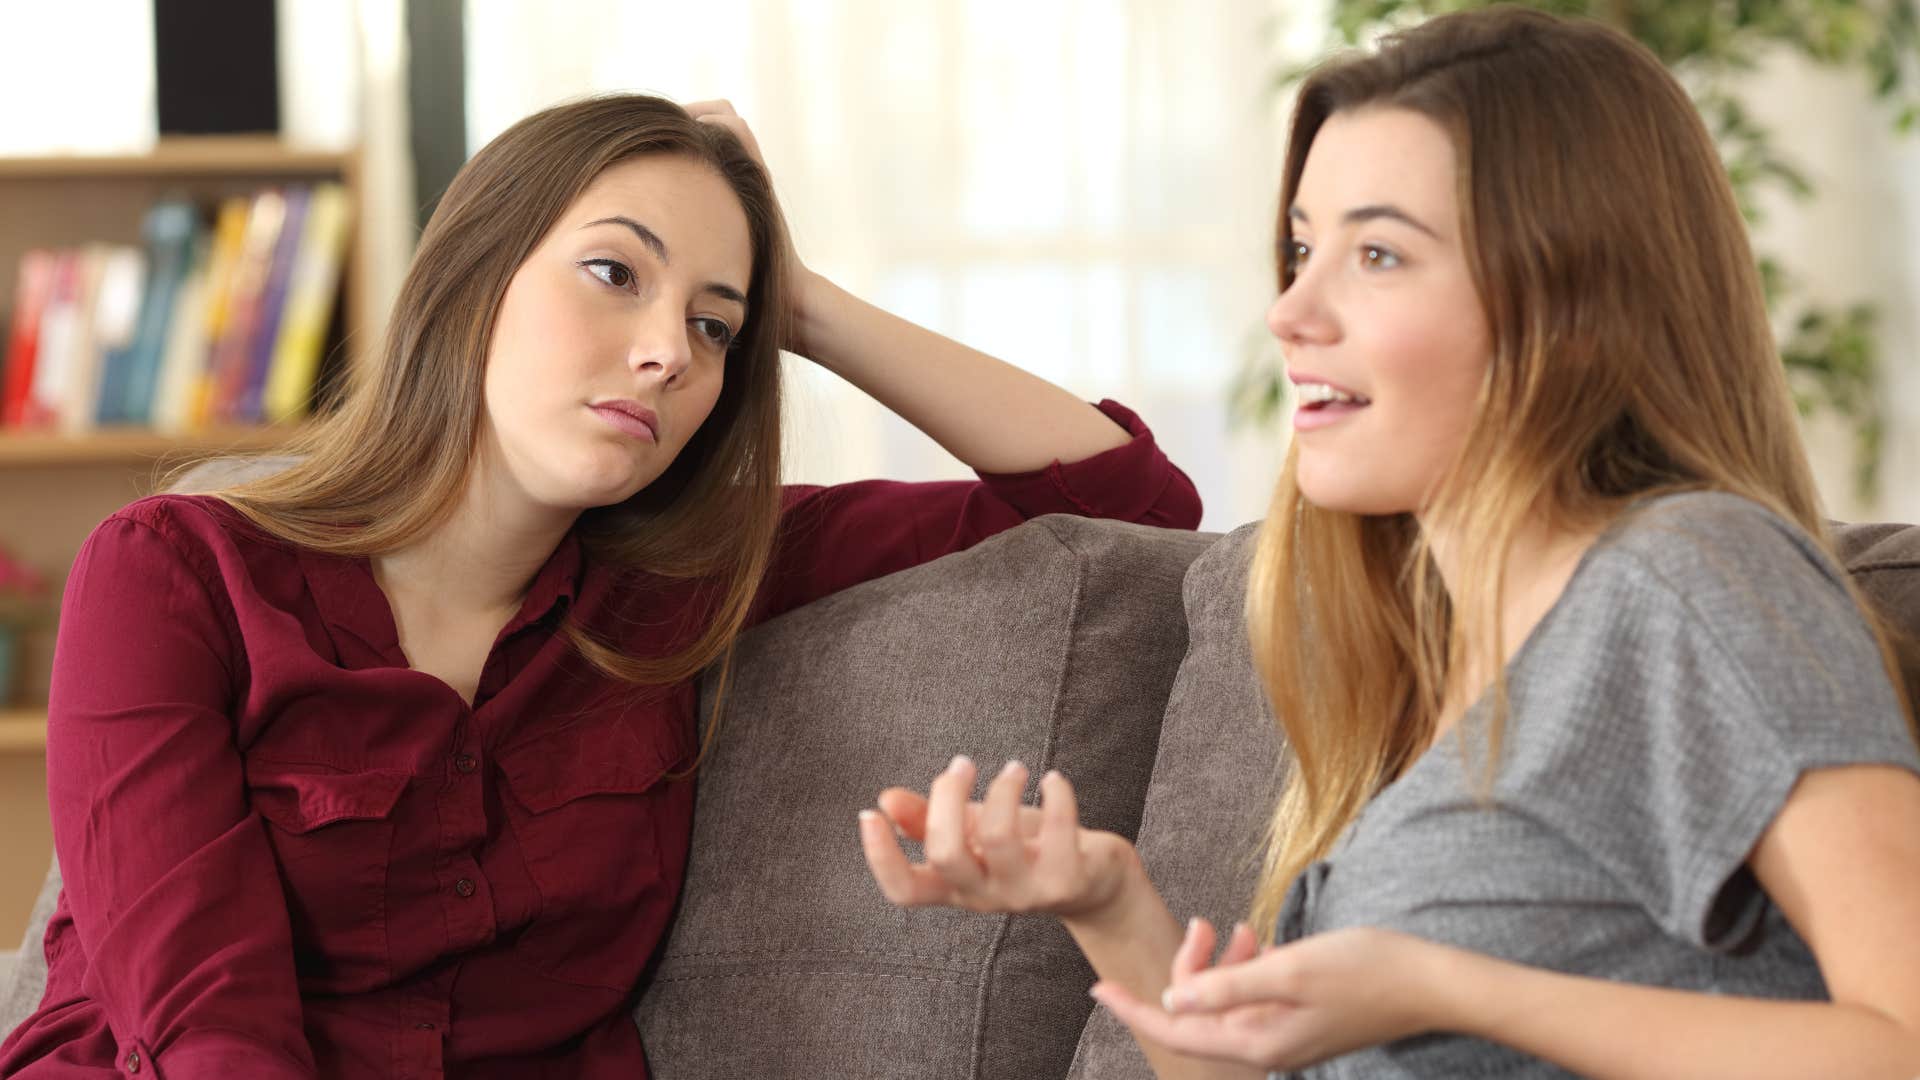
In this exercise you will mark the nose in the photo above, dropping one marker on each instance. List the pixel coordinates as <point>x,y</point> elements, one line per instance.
<point>1299,315</point>
<point>659,347</point>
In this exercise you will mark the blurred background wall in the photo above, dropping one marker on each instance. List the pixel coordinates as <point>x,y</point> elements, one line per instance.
<point>1085,187</point>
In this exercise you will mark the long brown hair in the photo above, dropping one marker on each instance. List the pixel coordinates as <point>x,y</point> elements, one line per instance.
<point>392,461</point>
<point>1632,355</point>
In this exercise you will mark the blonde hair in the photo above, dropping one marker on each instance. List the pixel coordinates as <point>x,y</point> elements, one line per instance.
<point>392,461</point>
<point>1632,355</point>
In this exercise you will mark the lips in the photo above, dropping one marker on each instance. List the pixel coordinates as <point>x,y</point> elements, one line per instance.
<point>630,418</point>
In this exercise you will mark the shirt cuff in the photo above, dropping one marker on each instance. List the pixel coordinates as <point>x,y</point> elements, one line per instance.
<point>213,1052</point>
<point>1131,482</point>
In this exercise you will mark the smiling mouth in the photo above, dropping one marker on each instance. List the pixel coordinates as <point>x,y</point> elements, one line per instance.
<point>1316,397</point>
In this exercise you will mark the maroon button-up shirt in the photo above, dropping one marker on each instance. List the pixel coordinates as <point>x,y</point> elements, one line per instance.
<point>289,855</point>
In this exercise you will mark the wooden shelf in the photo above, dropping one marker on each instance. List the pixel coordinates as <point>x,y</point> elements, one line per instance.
<point>23,731</point>
<point>130,446</point>
<point>233,155</point>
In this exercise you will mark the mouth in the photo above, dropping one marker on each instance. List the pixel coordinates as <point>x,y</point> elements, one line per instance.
<point>630,418</point>
<point>1322,404</point>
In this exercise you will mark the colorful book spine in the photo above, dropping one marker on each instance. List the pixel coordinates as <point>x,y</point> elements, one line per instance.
<point>273,304</point>
<point>127,396</point>
<point>229,239</point>
<point>115,276</point>
<point>310,302</point>
<point>232,355</point>
<point>183,360</point>
<point>34,282</point>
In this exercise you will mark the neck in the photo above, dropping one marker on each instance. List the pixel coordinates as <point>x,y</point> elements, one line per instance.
<point>1537,568</point>
<point>482,558</point>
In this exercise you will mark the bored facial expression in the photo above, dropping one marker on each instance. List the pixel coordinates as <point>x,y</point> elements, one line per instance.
<point>1383,331</point>
<point>611,344</point>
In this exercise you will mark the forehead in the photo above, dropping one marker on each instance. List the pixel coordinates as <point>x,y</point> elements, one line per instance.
<point>1379,156</point>
<point>683,200</point>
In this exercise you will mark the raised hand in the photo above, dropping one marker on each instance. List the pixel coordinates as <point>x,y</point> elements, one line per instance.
<point>995,855</point>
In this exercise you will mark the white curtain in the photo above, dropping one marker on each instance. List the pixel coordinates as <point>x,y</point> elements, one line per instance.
<point>1085,188</point>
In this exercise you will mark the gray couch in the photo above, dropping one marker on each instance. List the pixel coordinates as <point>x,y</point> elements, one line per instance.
<point>1112,652</point>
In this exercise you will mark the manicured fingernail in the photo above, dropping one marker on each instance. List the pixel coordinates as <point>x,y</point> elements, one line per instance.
<point>960,761</point>
<point>1053,774</point>
<point>1178,1000</point>
<point>1011,766</point>
<point>868,815</point>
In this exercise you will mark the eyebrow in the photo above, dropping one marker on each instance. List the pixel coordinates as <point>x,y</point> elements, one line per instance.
<point>659,248</point>
<point>1370,212</point>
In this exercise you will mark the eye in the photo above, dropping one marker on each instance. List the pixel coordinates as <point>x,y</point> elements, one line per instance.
<point>1297,253</point>
<point>1378,258</point>
<point>713,331</point>
<point>617,273</point>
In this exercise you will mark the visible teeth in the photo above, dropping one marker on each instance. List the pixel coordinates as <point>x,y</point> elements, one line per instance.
<point>1320,393</point>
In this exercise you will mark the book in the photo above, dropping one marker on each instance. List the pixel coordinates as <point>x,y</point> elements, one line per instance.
<point>310,299</point>
<point>127,391</point>
<point>34,281</point>
<point>273,302</point>
<point>229,236</point>
<point>183,361</point>
<point>114,275</point>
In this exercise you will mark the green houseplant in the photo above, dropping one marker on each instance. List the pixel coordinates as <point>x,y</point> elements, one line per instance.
<point>1831,353</point>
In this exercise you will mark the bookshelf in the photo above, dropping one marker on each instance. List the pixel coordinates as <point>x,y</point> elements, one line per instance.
<point>54,488</point>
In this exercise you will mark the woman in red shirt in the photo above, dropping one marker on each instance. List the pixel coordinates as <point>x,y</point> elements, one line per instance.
<point>376,767</point>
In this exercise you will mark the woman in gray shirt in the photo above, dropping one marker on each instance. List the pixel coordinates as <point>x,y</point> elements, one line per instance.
<point>1598,762</point>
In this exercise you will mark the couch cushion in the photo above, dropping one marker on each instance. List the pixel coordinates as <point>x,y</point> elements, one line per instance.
<point>21,987</point>
<point>1216,778</point>
<point>1885,563</point>
<point>1055,644</point>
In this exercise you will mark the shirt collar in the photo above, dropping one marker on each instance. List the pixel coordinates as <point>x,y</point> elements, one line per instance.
<point>360,619</point>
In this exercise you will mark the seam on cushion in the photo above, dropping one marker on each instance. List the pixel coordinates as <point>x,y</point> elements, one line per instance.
<point>755,954</point>
<point>1074,606</point>
<point>1888,564</point>
<point>762,976</point>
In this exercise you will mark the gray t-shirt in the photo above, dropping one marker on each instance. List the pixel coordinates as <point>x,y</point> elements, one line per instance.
<point>1703,656</point>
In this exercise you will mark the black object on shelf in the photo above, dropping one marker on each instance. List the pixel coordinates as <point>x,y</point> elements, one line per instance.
<point>216,68</point>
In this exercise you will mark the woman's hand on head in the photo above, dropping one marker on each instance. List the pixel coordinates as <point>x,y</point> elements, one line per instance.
<point>1289,1006</point>
<point>995,855</point>
<point>719,112</point>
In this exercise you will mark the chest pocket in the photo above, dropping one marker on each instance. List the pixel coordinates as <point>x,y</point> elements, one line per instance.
<point>603,832</point>
<point>332,835</point>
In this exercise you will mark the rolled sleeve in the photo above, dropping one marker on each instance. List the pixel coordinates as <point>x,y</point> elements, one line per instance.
<point>835,537</point>
<point>1133,482</point>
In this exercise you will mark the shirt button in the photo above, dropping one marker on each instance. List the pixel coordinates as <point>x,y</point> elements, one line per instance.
<point>133,1061</point>
<point>423,1026</point>
<point>466,763</point>
<point>463,888</point>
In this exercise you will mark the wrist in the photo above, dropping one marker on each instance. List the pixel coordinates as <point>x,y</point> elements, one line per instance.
<point>814,300</point>
<point>1451,989</point>
<point>1107,906</point>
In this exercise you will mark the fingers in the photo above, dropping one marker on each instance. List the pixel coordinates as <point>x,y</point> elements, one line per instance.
<point>946,842</point>
<point>1242,946</point>
<point>1059,824</point>
<point>907,810</point>
<point>1268,977</point>
<point>1001,843</point>
<point>1191,958</point>
<point>720,112</point>
<point>900,882</point>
